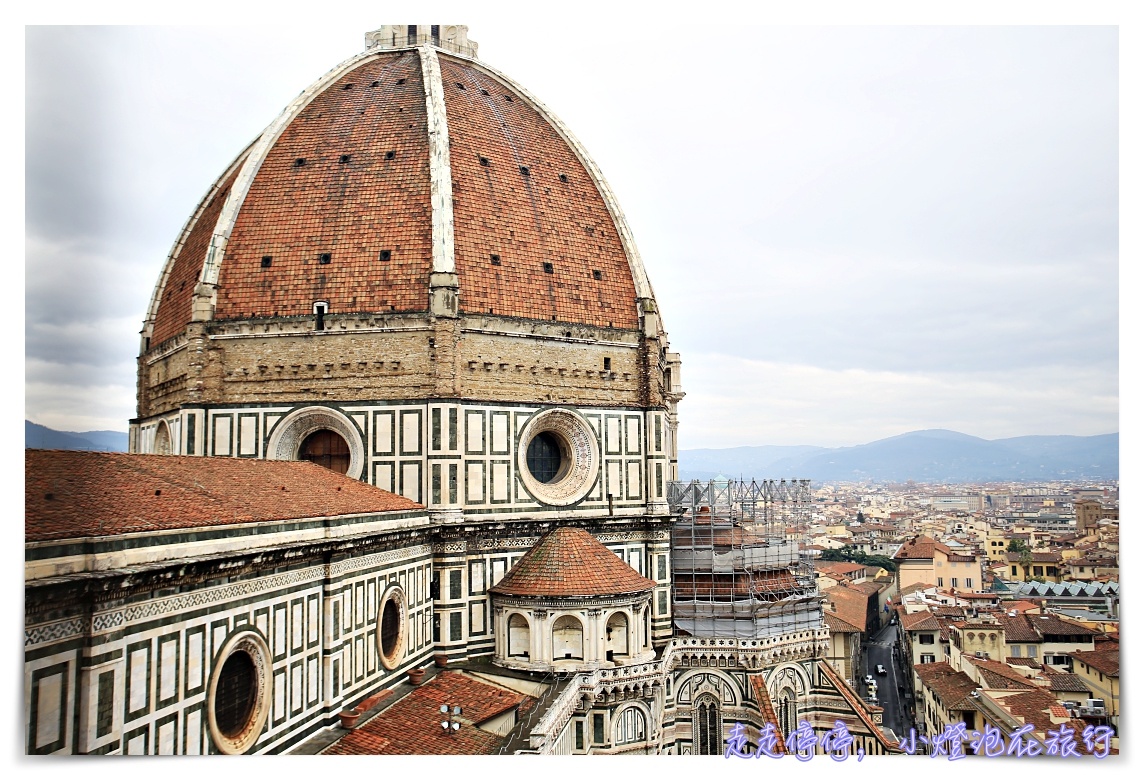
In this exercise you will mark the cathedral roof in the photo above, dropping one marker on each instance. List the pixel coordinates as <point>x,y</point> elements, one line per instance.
<point>71,494</point>
<point>570,562</point>
<point>409,727</point>
<point>402,162</point>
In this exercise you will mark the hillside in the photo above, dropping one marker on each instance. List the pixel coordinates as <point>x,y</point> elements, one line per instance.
<point>44,438</point>
<point>923,456</point>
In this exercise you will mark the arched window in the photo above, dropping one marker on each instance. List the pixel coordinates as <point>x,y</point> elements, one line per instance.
<point>631,726</point>
<point>162,439</point>
<point>788,712</point>
<point>567,639</point>
<point>707,727</point>
<point>327,449</point>
<point>616,634</point>
<point>518,636</point>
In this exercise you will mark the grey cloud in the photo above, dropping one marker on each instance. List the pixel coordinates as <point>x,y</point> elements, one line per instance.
<point>921,200</point>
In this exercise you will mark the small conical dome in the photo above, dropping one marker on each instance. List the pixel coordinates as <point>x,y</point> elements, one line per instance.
<point>570,562</point>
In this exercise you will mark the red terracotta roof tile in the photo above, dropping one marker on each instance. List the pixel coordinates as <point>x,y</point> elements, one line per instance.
<point>528,220</point>
<point>921,621</point>
<point>351,210</point>
<point>920,548</point>
<point>570,562</point>
<point>1038,706</point>
<point>839,568</point>
<point>1068,683</point>
<point>174,310</point>
<point>951,687</point>
<point>350,176</point>
<point>71,494</point>
<point>998,675</point>
<point>412,727</point>
<point>850,605</point>
<point>1104,661</point>
<point>856,705</point>
<point>838,625</point>
<point>767,709</point>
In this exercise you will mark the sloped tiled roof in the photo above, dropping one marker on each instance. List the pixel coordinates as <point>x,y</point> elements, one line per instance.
<point>1069,683</point>
<point>865,587</point>
<point>920,548</point>
<point>570,562</point>
<point>948,611</point>
<point>1026,627</point>
<point>1053,625</point>
<point>70,494</point>
<point>838,625</point>
<point>998,675</point>
<point>767,709</point>
<point>1106,661</point>
<point>410,726</point>
<point>921,621</point>
<point>950,687</point>
<point>1036,706</point>
<point>1017,628</point>
<point>350,175</point>
<point>848,604</point>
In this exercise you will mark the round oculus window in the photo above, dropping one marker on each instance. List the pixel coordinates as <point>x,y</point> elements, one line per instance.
<point>238,699</point>
<point>558,457</point>
<point>392,624</point>
<point>547,457</point>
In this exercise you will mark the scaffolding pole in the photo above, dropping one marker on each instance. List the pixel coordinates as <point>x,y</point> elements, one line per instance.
<point>739,564</point>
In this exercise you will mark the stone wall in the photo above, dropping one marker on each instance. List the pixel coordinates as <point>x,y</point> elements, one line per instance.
<point>402,357</point>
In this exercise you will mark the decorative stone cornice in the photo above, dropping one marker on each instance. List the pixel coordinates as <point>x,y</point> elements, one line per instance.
<point>744,654</point>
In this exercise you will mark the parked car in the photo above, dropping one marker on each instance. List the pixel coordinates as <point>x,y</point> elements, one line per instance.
<point>881,669</point>
<point>869,680</point>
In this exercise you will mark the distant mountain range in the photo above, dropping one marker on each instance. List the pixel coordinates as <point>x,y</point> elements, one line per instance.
<point>43,438</point>
<point>923,456</point>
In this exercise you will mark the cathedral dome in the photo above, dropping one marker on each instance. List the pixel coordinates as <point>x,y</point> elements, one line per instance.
<point>408,167</point>
<point>416,260</point>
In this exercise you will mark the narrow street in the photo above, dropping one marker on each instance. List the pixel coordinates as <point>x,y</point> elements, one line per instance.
<point>883,650</point>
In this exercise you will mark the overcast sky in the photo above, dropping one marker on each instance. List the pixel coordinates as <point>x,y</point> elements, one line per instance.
<point>853,231</point>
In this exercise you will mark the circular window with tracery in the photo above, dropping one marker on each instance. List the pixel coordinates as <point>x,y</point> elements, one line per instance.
<point>238,699</point>
<point>558,457</point>
<point>392,624</point>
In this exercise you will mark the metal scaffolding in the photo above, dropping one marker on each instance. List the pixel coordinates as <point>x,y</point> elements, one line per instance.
<point>738,566</point>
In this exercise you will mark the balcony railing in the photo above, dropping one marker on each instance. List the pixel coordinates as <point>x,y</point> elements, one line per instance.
<point>398,41</point>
